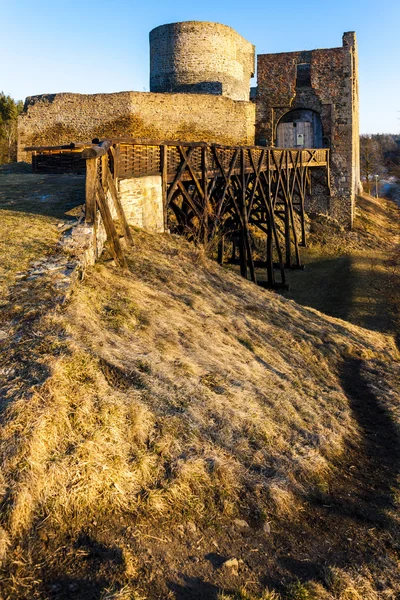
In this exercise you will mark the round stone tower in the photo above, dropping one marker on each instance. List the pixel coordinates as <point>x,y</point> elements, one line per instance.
<point>196,57</point>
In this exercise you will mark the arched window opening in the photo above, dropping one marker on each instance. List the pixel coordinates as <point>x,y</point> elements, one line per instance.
<point>300,128</point>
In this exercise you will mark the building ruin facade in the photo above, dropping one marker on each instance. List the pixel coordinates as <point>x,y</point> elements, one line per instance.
<point>200,76</point>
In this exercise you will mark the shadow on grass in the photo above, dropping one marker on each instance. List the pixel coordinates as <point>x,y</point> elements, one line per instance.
<point>376,473</point>
<point>360,497</point>
<point>360,290</point>
<point>46,195</point>
<point>86,572</point>
<point>195,588</point>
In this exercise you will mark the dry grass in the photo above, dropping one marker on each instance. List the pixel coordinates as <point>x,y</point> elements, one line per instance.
<point>183,392</point>
<point>354,275</point>
<point>23,239</point>
<point>30,208</point>
<point>180,393</point>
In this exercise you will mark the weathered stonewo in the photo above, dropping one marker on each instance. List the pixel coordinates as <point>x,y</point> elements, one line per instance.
<point>200,57</point>
<point>142,201</point>
<point>333,94</point>
<point>217,63</point>
<point>54,119</point>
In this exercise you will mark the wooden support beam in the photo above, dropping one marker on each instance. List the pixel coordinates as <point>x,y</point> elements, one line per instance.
<point>164,185</point>
<point>90,191</point>
<point>119,208</point>
<point>97,151</point>
<point>112,234</point>
<point>246,231</point>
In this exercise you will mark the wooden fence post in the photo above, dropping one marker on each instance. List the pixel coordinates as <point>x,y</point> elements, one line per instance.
<point>90,191</point>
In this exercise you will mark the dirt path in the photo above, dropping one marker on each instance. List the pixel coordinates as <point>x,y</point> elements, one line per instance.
<point>356,276</point>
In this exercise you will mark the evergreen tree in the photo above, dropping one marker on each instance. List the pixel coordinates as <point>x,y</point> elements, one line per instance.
<point>9,111</point>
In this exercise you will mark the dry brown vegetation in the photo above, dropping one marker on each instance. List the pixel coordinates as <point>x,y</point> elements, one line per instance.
<point>354,275</point>
<point>178,417</point>
<point>31,207</point>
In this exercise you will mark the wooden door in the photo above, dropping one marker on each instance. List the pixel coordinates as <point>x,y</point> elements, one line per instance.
<point>304,135</point>
<point>285,135</point>
<point>295,135</point>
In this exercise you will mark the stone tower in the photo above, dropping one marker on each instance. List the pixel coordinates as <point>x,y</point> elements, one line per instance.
<point>310,99</point>
<point>200,58</point>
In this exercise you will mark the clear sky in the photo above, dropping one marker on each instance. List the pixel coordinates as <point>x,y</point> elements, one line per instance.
<point>92,46</point>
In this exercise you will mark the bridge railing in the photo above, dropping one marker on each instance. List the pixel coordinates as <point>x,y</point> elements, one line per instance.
<point>137,157</point>
<point>208,191</point>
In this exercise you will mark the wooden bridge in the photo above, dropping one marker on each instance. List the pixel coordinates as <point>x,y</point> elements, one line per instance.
<point>211,193</point>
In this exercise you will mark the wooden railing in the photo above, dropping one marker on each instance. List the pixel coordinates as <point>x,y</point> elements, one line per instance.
<point>204,187</point>
<point>101,180</point>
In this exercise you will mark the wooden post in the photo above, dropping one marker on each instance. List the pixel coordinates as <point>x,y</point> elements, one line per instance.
<point>90,191</point>
<point>104,169</point>
<point>119,208</point>
<point>245,219</point>
<point>164,182</point>
<point>270,258</point>
<point>295,240</point>
<point>302,208</point>
<point>112,234</point>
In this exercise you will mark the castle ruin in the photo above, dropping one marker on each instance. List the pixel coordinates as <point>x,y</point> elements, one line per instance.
<point>200,76</point>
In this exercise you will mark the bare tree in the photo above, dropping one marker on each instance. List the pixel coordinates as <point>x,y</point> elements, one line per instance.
<point>371,159</point>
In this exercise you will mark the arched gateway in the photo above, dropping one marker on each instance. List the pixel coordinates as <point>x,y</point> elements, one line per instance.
<point>300,128</point>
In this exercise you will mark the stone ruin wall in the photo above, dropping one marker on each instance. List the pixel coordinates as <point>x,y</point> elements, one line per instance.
<point>55,119</point>
<point>334,95</point>
<point>201,57</point>
<point>216,63</point>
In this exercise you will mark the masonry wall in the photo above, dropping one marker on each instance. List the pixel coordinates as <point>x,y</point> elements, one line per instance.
<point>334,95</point>
<point>200,57</point>
<point>54,119</point>
<point>142,201</point>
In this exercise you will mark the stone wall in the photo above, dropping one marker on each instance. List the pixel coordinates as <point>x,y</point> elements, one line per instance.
<point>200,57</point>
<point>142,201</point>
<point>54,119</point>
<point>333,94</point>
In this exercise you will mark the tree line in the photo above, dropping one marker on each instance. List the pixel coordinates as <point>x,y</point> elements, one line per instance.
<point>9,111</point>
<point>379,156</point>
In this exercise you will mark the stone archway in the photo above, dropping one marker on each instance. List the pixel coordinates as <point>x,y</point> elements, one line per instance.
<point>299,128</point>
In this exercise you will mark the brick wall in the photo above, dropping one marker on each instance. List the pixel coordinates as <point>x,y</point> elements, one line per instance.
<point>334,95</point>
<point>200,57</point>
<point>54,119</point>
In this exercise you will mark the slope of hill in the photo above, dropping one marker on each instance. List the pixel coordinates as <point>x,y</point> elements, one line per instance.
<point>177,432</point>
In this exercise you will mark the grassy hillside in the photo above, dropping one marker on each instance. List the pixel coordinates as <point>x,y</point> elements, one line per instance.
<point>355,275</point>
<point>177,432</point>
<point>33,210</point>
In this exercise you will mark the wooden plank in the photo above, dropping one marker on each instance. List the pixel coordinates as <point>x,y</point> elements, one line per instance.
<point>164,182</point>
<point>90,191</point>
<point>119,208</point>
<point>96,151</point>
<point>112,234</point>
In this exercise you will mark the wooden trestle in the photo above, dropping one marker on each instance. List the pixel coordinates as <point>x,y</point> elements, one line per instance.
<point>210,192</point>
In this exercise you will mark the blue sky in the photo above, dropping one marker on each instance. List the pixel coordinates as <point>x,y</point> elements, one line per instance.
<point>92,46</point>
